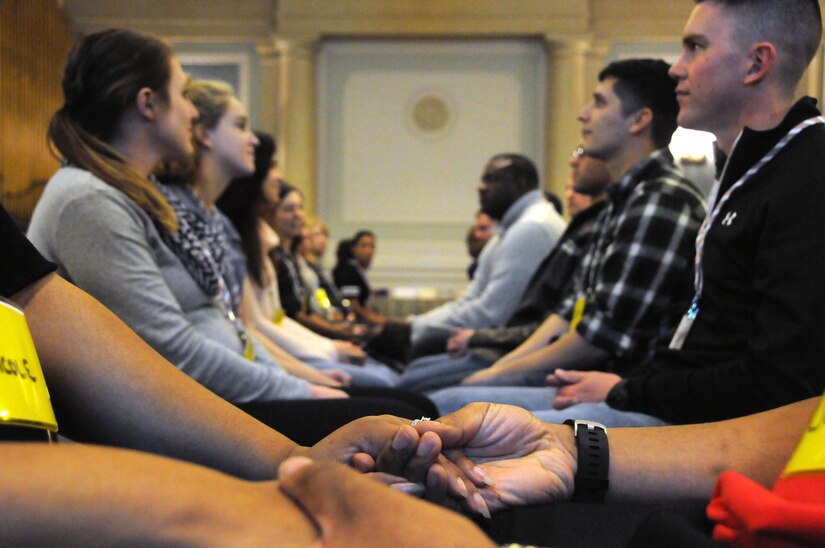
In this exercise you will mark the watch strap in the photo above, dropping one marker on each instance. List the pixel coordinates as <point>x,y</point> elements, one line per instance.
<point>591,479</point>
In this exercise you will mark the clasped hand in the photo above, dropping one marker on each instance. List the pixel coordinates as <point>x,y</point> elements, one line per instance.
<point>484,456</point>
<point>508,456</point>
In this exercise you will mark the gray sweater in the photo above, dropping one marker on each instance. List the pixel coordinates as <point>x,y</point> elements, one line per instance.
<point>525,236</point>
<point>109,247</point>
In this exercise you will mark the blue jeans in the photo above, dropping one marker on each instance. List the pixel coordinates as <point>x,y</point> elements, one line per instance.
<point>531,398</point>
<point>372,373</point>
<point>439,371</point>
<point>600,412</point>
<point>538,400</point>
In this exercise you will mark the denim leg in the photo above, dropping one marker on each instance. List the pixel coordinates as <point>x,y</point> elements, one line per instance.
<point>439,371</point>
<point>530,378</point>
<point>599,412</point>
<point>372,373</point>
<point>529,397</point>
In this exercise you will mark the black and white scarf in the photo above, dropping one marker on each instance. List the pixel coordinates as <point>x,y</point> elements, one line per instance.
<point>201,244</point>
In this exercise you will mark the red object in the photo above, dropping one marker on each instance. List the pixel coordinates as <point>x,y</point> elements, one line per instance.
<point>749,515</point>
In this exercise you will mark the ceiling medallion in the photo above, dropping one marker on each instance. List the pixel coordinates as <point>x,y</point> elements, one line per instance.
<point>430,114</point>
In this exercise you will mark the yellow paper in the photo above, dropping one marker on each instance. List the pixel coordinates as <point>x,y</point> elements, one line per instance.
<point>578,312</point>
<point>279,317</point>
<point>24,398</point>
<point>810,453</point>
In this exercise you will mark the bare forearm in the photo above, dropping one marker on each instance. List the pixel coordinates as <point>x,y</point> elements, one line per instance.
<point>571,351</point>
<point>87,495</point>
<point>551,327</point>
<point>678,462</point>
<point>110,387</point>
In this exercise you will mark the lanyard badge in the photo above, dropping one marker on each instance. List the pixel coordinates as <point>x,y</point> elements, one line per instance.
<point>24,398</point>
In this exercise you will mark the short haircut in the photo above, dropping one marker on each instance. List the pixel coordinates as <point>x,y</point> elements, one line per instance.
<point>794,27</point>
<point>511,169</point>
<point>645,83</point>
<point>361,234</point>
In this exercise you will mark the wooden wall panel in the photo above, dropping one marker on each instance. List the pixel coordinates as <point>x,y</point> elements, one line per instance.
<point>34,42</point>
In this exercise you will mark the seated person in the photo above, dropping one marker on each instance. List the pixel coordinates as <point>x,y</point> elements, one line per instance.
<point>318,235</point>
<point>472,350</point>
<point>575,200</point>
<point>350,274</point>
<point>243,202</point>
<point>555,201</point>
<point>477,237</point>
<point>287,219</point>
<point>324,296</point>
<point>529,228</point>
<point>113,232</point>
<point>207,240</point>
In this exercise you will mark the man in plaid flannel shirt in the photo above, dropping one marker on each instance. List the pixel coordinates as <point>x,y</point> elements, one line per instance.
<point>635,279</point>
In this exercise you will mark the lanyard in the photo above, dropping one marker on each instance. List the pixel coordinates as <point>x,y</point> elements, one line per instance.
<point>698,280</point>
<point>226,300</point>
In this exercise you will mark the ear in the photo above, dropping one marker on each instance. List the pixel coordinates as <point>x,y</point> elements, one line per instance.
<point>201,136</point>
<point>641,119</point>
<point>763,59</point>
<point>147,103</point>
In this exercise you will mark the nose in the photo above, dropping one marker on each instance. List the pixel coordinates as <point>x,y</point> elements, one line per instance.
<point>584,114</point>
<point>677,69</point>
<point>254,140</point>
<point>193,112</point>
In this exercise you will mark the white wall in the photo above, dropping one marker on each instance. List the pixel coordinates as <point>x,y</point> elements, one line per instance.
<point>405,129</point>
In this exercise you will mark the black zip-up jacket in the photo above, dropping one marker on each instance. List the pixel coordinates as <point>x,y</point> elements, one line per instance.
<point>758,341</point>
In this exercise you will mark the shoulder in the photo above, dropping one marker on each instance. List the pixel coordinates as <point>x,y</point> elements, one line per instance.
<point>73,186</point>
<point>75,202</point>
<point>540,217</point>
<point>803,160</point>
<point>229,228</point>
<point>792,185</point>
<point>669,186</point>
<point>343,269</point>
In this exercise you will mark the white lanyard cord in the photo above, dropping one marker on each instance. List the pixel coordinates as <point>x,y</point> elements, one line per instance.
<point>698,279</point>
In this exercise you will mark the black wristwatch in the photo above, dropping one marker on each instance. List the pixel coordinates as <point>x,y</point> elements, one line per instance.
<point>591,479</point>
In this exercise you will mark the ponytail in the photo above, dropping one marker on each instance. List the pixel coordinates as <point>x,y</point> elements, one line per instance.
<point>103,75</point>
<point>82,149</point>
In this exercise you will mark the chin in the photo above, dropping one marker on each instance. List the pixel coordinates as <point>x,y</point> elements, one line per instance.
<point>689,121</point>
